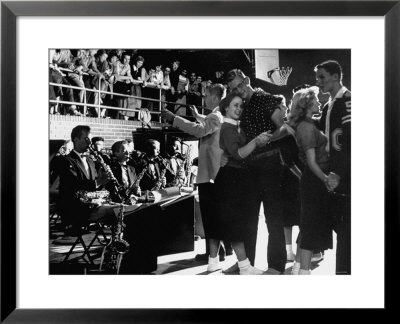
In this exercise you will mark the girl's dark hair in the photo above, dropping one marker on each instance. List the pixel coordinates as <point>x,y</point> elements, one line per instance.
<point>224,104</point>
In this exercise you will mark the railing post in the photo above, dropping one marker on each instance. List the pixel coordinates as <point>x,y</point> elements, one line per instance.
<point>98,108</point>
<point>84,100</point>
<point>160,105</point>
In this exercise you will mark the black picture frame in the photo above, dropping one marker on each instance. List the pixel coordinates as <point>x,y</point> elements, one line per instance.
<point>10,10</point>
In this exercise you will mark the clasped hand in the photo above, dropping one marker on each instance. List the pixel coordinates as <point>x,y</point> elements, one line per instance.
<point>263,138</point>
<point>332,182</point>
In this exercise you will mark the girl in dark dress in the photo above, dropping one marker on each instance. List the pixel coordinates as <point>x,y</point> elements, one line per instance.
<point>315,224</point>
<point>235,188</point>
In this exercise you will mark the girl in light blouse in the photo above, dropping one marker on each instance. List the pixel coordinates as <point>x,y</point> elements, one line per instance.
<point>315,224</point>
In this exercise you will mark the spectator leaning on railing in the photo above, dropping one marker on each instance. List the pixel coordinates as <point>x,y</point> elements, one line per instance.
<point>102,72</point>
<point>60,58</point>
<point>123,82</point>
<point>138,74</point>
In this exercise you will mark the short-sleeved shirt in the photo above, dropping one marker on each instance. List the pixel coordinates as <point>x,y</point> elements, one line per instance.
<point>256,116</point>
<point>230,141</point>
<point>121,69</point>
<point>308,136</point>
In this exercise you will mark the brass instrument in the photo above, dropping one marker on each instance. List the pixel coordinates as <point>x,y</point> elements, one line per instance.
<point>158,184</point>
<point>114,251</point>
<point>179,178</point>
<point>164,162</point>
<point>135,188</point>
<point>94,198</point>
<point>188,164</point>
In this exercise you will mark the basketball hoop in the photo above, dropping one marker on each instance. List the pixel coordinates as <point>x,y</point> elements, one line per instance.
<point>279,76</point>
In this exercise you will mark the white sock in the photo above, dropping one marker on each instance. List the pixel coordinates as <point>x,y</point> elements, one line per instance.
<point>296,268</point>
<point>213,260</point>
<point>243,264</point>
<point>304,272</point>
<point>289,248</point>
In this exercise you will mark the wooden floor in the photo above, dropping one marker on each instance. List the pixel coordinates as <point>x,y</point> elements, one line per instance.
<point>177,264</point>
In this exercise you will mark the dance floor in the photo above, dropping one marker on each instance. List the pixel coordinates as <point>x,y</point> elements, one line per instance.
<point>181,263</point>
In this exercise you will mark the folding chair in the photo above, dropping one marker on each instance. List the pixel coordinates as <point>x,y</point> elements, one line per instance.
<point>100,230</point>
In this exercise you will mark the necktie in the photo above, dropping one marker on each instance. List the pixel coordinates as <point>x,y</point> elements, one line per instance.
<point>125,179</point>
<point>238,125</point>
<point>152,169</point>
<point>85,164</point>
<point>174,165</point>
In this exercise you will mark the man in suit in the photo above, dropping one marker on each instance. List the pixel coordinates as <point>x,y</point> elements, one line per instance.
<point>98,146</point>
<point>176,162</point>
<point>122,171</point>
<point>77,172</point>
<point>154,166</point>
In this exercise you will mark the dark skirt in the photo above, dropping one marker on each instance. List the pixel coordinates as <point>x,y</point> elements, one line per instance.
<point>208,209</point>
<point>236,194</point>
<point>315,218</point>
<point>290,190</point>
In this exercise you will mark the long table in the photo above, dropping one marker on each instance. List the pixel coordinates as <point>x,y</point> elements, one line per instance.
<point>158,229</point>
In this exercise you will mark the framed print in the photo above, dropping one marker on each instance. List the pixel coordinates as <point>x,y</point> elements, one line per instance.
<point>30,28</point>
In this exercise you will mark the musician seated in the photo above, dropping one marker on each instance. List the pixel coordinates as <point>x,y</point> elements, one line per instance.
<point>134,156</point>
<point>176,177</point>
<point>98,146</point>
<point>78,175</point>
<point>123,172</point>
<point>155,169</point>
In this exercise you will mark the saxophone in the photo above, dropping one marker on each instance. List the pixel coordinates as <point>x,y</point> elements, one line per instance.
<point>135,188</point>
<point>177,181</point>
<point>114,251</point>
<point>158,184</point>
<point>188,163</point>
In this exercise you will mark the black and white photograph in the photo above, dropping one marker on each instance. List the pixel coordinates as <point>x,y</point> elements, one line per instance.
<point>200,161</point>
<point>171,160</point>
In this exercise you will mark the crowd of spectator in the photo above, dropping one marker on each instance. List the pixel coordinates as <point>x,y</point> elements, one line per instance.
<point>126,82</point>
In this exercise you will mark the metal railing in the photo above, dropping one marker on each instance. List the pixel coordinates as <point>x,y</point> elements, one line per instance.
<point>99,105</point>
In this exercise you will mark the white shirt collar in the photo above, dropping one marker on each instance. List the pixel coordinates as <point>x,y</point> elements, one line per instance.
<point>231,121</point>
<point>79,154</point>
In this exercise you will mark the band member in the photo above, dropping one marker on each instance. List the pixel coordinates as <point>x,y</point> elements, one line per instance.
<point>77,172</point>
<point>207,129</point>
<point>335,122</point>
<point>97,153</point>
<point>156,168</point>
<point>122,171</point>
<point>176,162</point>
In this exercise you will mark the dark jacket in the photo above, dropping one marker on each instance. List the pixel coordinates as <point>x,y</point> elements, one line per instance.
<point>73,178</point>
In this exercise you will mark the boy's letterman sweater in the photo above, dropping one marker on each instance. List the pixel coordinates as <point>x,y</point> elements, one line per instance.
<point>339,129</point>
